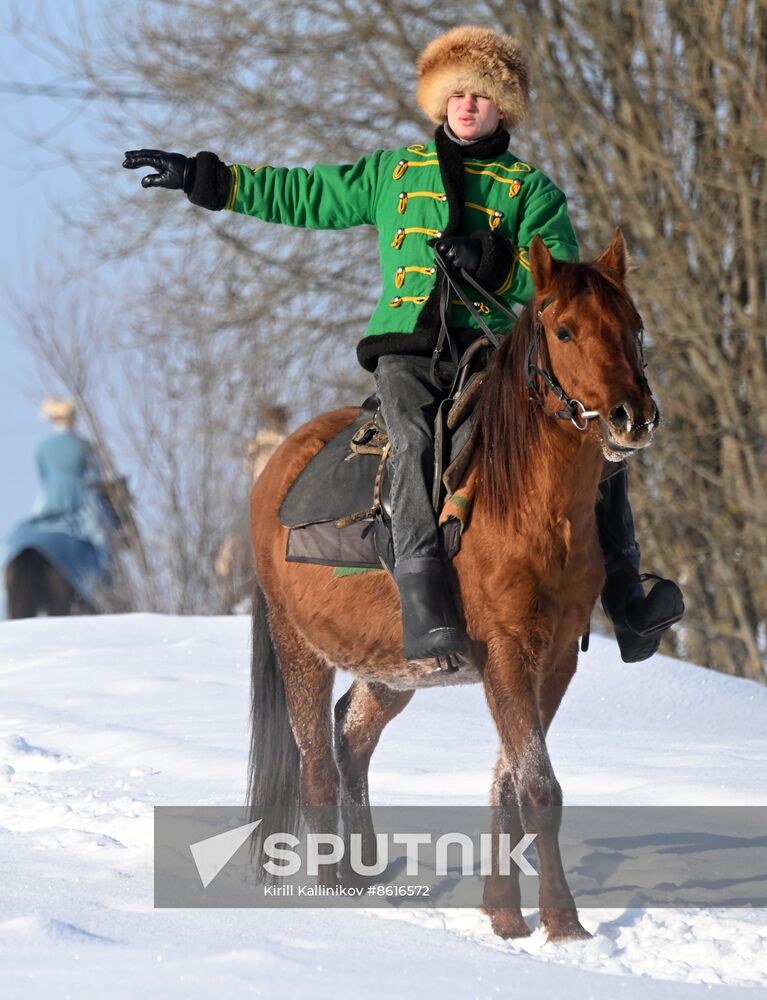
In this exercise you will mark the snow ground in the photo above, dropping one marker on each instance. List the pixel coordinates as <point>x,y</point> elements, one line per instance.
<point>104,718</point>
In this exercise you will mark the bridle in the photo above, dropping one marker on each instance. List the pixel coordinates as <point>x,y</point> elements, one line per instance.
<point>572,409</point>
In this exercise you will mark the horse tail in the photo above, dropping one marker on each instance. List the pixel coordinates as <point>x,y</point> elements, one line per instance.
<point>273,768</point>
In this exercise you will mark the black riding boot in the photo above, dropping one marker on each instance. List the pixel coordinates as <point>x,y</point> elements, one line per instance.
<point>429,623</point>
<point>409,401</point>
<point>640,619</point>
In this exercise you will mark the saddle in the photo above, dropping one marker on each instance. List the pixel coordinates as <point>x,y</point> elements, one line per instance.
<point>338,509</point>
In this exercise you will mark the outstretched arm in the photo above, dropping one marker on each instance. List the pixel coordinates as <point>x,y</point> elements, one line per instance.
<point>329,196</point>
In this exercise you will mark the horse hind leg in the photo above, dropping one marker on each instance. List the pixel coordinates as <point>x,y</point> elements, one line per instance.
<point>360,716</point>
<point>24,577</point>
<point>292,696</point>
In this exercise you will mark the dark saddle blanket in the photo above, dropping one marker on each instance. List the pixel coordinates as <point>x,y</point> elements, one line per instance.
<point>338,509</point>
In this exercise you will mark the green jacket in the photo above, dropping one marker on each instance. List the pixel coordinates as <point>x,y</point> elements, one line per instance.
<point>410,195</point>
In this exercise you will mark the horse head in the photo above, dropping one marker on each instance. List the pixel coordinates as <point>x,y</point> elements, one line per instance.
<point>588,332</point>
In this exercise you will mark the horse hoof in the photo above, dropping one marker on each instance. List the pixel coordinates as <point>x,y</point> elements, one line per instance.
<point>507,924</point>
<point>575,933</point>
<point>564,926</point>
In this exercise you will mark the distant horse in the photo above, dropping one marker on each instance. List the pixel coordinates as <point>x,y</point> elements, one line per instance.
<point>528,573</point>
<point>34,586</point>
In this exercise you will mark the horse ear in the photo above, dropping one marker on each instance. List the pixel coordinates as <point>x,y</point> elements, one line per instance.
<point>541,263</point>
<point>615,256</point>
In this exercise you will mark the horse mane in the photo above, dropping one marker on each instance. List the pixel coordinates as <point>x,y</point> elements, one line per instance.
<point>509,421</point>
<point>509,417</point>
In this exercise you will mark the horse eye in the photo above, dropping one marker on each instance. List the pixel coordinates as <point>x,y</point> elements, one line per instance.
<point>563,334</point>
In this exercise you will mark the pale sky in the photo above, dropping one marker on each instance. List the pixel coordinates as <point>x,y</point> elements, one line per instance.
<point>34,179</point>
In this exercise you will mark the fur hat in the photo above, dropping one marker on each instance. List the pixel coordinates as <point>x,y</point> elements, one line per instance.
<point>474,59</point>
<point>60,411</point>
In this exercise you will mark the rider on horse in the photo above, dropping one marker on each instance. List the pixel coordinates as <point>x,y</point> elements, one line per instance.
<point>70,528</point>
<point>479,206</point>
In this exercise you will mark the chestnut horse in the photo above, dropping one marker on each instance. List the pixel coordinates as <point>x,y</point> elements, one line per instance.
<point>528,573</point>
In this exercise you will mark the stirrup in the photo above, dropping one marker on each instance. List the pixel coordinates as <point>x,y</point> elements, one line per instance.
<point>668,606</point>
<point>451,664</point>
<point>446,643</point>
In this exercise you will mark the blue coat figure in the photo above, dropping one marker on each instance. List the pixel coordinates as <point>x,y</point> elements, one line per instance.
<point>69,527</point>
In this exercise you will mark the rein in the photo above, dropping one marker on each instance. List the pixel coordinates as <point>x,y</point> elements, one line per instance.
<point>572,409</point>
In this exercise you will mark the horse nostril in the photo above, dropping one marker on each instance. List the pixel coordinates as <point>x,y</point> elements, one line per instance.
<point>620,417</point>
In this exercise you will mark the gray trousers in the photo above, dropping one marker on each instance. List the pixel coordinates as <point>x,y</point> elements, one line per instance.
<point>409,402</point>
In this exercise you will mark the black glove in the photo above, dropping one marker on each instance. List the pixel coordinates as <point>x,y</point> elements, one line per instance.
<point>459,252</point>
<point>174,170</point>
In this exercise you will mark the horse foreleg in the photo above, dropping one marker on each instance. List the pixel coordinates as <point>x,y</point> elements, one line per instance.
<point>554,685</point>
<point>502,898</point>
<point>60,597</point>
<point>508,679</point>
<point>308,682</point>
<point>361,715</point>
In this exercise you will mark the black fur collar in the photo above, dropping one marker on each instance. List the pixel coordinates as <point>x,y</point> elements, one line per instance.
<point>486,148</point>
<point>451,156</point>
